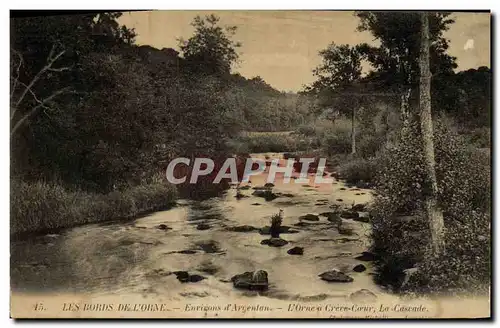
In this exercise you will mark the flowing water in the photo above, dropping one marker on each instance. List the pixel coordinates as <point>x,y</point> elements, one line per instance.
<point>137,258</point>
<point>131,262</point>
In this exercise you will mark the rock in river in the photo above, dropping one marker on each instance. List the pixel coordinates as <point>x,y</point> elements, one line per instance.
<point>366,256</point>
<point>359,268</point>
<point>296,251</point>
<point>184,276</point>
<point>266,194</point>
<point>163,227</point>
<point>274,242</point>
<point>202,226</point>
<point>256,280</point>
<point>335,276</point>
<point>348,214</point>
<point>309,217</point>
<point>334,218</point>
<point>243,228</point>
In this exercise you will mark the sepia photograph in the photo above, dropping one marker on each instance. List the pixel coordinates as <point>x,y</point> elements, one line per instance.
<point>250,164</point>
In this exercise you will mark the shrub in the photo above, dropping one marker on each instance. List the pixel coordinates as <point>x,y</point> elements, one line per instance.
<point>276,221</point>
<point>466,265</point>
<point>358,169</point>
<point>336,140</point>
<point>480,137</point>
<point>369,144</point>
<point>464,195</point>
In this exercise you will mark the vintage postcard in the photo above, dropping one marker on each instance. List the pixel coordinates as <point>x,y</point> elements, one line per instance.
<point>250,164</point>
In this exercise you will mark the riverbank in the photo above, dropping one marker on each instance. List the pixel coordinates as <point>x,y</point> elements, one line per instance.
<point>46,207</point>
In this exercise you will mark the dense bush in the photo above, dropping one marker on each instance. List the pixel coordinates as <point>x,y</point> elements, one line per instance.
<point>464,196</point>
<point>42,206</point>
<point>479,137</point>
<point>336,140</point>
<point>466,265</point>
<point>358,169</point>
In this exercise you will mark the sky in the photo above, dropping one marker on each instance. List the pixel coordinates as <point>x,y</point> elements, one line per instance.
<point>282,46</point>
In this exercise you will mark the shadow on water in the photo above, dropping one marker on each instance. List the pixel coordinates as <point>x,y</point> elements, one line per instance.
<point>104,255</point>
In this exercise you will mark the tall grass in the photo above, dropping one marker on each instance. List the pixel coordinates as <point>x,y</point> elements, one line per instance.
<point>41,206</point>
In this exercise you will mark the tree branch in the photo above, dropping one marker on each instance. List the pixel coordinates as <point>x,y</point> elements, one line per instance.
<point>50,61</point>
<point>41,104</point>
<point>14,86</point>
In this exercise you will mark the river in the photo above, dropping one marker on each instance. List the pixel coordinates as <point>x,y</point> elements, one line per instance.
<point>134,259</point>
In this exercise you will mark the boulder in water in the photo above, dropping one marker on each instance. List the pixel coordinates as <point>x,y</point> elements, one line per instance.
<point>184,276</point>
<point>366,256</point>
<point>359,268</point>
<point>296,251</point>
<point>266,194</point>
<point>274,242</point>
<point>309,217</point>
<point>163,227</point>
<point>243,228</point>
<point>196,278</point>
<point>202,226</point>
<point>349,214</point>
<point>335,276</point>
<point>256,280</point>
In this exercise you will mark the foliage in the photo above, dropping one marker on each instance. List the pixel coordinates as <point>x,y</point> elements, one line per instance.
<point>276,221</point>
<point>395,61</point>
<point>464,196</point>
<point>358,170</point>
<point>210,50</point>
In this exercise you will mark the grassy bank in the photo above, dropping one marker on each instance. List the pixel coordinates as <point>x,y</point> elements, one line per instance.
<point>41,206</point>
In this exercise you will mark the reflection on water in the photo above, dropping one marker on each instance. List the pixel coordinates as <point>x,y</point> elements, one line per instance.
<point>138,258</point>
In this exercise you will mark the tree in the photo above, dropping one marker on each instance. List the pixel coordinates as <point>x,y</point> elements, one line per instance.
<point>210,50</point>
<point>337,79</point>
<point>46,52</point>
<point>434,214</point>
<point>52,83</point>
<point>19,116</point>
<point>394,61</point>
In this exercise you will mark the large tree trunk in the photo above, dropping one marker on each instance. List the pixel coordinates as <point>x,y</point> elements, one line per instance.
<point>434,214</point>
